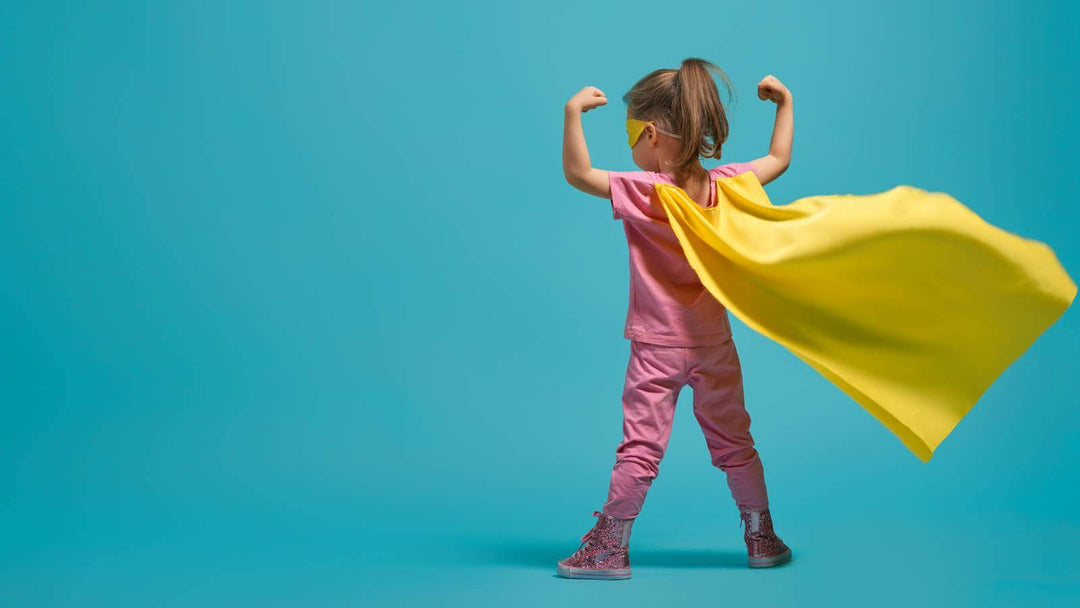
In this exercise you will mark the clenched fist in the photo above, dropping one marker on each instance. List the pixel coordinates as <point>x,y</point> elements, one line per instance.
<point>586,99</point>
<point>772,89</point>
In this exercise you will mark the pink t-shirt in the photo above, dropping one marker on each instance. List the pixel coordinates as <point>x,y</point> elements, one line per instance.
<point>668,304</point>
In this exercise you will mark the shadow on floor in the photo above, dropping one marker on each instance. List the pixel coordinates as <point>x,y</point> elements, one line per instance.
<point>523,552</point>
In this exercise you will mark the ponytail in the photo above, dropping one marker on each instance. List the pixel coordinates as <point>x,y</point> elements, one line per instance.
<point>697,114</point>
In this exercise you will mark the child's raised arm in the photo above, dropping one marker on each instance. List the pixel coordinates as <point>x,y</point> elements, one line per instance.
<point>770,166</point>
<point>577,168</point>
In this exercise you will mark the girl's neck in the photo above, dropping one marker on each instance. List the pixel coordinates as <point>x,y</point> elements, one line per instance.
<point>695,183</point>
<point>687,176</point>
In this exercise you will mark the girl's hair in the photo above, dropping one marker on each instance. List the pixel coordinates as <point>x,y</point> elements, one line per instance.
<point>685,102</point>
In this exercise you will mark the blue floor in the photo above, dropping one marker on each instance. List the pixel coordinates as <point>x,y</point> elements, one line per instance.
<point>953,558</point>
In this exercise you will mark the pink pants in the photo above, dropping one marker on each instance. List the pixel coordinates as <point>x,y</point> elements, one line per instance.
<point>654,377</point>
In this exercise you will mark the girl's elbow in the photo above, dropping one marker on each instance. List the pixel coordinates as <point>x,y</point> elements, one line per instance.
<point>782,164</point>
<point>576,177</point>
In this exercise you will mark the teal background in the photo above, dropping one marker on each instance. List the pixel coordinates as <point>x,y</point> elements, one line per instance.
<point>298,309</point>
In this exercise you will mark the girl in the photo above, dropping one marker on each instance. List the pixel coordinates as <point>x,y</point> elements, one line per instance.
<point>679,333</point>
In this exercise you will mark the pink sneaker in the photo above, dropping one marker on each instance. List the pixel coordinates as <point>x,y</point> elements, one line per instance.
<point>763,547</point>
<point>604,551</point>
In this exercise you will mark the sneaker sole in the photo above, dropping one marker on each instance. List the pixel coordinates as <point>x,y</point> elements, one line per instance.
<point>769,562</point>
<point>568,572</point>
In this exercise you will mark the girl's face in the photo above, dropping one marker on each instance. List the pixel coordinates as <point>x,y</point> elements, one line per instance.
<point>653,149</point>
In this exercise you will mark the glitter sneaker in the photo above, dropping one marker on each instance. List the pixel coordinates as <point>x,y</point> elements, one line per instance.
<point>763,547</point>
<point>604,551</point>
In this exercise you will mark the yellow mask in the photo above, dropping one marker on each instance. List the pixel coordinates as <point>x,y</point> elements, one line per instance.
<point>635,127</point>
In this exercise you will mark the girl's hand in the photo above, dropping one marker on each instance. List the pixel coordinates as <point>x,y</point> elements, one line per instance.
<point>586,99</point>
<point>772,89</point>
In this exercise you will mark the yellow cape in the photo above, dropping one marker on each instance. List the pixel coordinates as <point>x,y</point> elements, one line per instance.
<point>906,299</point>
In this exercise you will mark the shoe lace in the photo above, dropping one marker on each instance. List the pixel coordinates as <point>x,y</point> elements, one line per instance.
<point>589,534</point>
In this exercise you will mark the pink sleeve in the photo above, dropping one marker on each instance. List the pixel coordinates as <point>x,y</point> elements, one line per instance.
<point>633,196</point>
<point>732,169</point>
